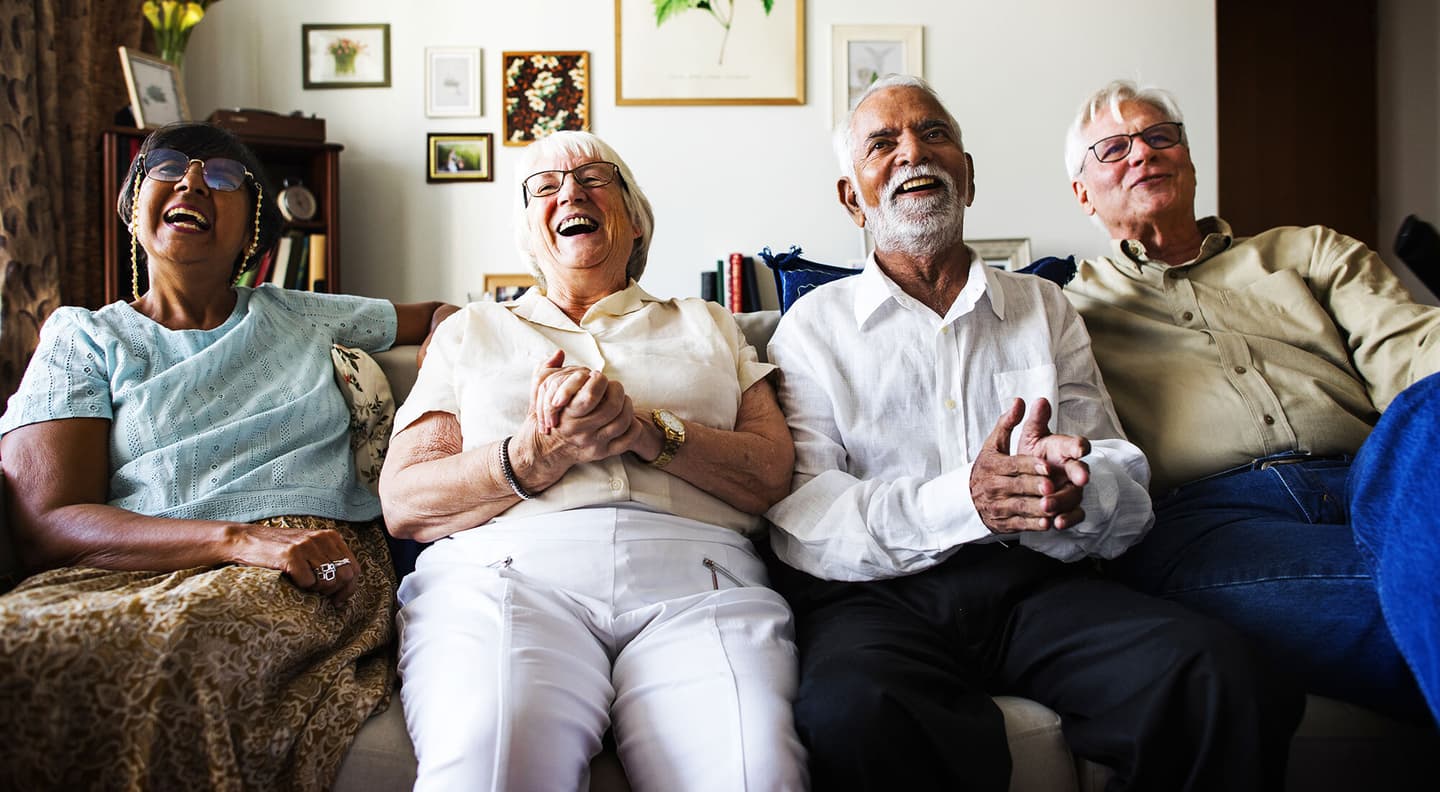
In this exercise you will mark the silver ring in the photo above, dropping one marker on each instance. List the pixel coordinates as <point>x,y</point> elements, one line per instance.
<point>326,571</point>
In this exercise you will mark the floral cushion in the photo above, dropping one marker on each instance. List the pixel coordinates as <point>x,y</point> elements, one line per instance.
<point>372,410</point>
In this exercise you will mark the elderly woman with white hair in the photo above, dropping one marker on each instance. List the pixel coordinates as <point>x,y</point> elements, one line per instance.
<point>590,462</point>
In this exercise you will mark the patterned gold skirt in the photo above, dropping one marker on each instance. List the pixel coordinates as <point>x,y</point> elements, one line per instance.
<point>210,678</point>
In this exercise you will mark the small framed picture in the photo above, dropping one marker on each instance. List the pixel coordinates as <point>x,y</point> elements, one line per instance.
<point>459,157</point>
<point>156,98</point>
<point>345,56</point>
<point>505,286</point>
<point>1007,254</point>
<point>862,54</point>
<point>545,92</point>
<point>452,81</point>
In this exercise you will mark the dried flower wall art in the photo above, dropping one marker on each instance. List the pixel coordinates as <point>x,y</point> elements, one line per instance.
<point>545,92</point>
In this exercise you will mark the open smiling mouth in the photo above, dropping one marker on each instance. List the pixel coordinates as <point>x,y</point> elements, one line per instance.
<point>571,226</point>
<point>182,217</point>
<point>919,184</point>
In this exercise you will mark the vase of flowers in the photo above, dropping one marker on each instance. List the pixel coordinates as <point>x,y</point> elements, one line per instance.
<point>344,50</point>
<point>172,21</point>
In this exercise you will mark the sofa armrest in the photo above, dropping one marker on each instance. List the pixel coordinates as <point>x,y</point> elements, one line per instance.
<point>400,369</point>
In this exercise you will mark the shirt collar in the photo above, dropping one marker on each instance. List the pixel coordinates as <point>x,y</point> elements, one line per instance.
<point>534,307</point>
<point>1218,238</point>
<point>873,289</point>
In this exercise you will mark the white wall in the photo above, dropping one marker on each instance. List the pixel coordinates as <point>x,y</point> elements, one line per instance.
<point>722,179</point>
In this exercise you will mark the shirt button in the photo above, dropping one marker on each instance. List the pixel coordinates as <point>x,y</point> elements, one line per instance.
<point>945,330</point>
<point>1187,316</point>
<point>949,404</point>
<point>1239,369</point>
<point>616,484</point>
<point>1269,420</point>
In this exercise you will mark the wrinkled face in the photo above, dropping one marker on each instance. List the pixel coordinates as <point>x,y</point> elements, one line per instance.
<point>913,180</point>
<point>187,222</point>
<point>580,228</point>
<point>1147,187</point>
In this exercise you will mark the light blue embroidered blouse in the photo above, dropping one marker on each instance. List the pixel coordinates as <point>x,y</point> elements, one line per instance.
<point>237,423</point>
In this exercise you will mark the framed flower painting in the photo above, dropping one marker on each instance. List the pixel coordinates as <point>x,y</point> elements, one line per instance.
<point>345,56</point>
<point>545,92</point>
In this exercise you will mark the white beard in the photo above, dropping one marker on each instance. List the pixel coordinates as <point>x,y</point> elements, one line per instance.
<point>928,228</point>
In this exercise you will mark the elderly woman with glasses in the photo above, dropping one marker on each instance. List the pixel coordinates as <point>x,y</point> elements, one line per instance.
<point>590,462</point>
<point>216,608</point>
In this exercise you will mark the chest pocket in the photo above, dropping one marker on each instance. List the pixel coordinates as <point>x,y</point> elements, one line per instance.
<point>1029,384</point>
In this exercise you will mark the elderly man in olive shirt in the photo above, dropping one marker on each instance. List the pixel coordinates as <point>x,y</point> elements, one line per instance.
<point>1251,371</point>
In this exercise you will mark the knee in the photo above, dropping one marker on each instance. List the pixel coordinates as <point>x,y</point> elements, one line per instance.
<point>1220,672</point>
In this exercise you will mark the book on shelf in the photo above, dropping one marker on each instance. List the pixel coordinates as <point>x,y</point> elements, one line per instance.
<point>280,271</point>
<point>299,276</point>
<point>262,270</point>
<point>316,279</point>
<point>707,287</point>
<point>735,289</point>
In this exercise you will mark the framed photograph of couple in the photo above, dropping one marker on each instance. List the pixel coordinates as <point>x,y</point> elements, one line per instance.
<point>459,157</point>
<point>710,52</point>
<point>862,54</point>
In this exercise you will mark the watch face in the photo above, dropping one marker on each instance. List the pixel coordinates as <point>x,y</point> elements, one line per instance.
<point>297,203</point>
<point>670,422</point>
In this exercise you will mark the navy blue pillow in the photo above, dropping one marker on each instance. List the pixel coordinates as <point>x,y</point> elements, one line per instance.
<point>794,276</point>
<point>1053,268</point>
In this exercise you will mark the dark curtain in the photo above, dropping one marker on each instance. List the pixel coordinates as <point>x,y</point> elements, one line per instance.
<point>60,85</point>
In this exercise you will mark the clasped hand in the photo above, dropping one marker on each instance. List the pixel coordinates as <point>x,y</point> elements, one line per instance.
<point>581,413</point>
<point>1040,484</point>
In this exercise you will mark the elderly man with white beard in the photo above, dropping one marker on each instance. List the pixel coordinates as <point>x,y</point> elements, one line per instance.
<point>956,455</point>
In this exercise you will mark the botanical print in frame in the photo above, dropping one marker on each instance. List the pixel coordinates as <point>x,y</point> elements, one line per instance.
<point>452,81</point>
<point>156,98</point>
<point>459,157</point>
<point>702,52</point>
<point>545,92</point>
<point>862,54</point>
<point>345,56</point>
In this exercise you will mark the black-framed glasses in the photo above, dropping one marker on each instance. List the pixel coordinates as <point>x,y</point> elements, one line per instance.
<point>1157,136</point>
<point>221,173</point>
<point>549,182</point>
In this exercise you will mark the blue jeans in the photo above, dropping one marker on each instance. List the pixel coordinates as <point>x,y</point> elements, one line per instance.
<point>1271,553</point>
<point>1393,491</point>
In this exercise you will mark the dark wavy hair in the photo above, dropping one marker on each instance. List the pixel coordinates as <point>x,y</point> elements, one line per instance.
<point>203,141</point>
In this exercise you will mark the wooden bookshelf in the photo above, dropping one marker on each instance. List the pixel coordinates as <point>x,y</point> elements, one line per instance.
<point>313,163</point>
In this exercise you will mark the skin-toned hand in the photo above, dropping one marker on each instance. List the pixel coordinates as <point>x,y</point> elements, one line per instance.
<point>299,554</point>
<point>1038,488</point>
<point>553,388</point>
<point>596,419</point>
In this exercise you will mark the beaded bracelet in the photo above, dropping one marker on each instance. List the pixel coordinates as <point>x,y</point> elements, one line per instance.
<point>510,471</point>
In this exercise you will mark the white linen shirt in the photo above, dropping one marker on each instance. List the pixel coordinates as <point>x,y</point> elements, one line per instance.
<point>687,356</point>
<point>890,404</point>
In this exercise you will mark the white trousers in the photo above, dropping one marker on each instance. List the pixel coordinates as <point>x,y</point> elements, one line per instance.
<point>521,643</point>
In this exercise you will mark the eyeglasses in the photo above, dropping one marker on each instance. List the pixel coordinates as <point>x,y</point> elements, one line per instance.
<point>169,165</point>
<point>1157,136</point>
<point>549,182</point>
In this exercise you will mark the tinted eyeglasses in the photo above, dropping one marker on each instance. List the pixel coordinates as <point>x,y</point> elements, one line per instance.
<point>549,182</point>
<point>1157,136</point>
<point>169,165</point>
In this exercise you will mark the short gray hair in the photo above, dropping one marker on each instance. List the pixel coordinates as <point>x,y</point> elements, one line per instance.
<point>583,145</point>
<point>843,135</point>
<point>1109,99</point>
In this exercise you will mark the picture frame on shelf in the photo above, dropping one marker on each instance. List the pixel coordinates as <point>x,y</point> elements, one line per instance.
<point>691,54</point>
<point>1008,254</point>
<point>459,157</point>
<point>505,286</point>
<point>156,96</point>
<point>545,92</point>
<point>452,82</point>
<point>345,56</point>
<point>862,54</point>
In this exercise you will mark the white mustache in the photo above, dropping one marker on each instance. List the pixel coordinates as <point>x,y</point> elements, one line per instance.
<point>908,172</point>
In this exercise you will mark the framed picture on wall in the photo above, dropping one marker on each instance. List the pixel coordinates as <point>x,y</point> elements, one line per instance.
<point>862,54</point>
<point>545,92</point>
<point>459,157</point>
<point>501,287</point>
<point>452,81</point>
<point>156,98</point>
<point>345,56</point>
<point>683,52</point>
<point>1009,254</point>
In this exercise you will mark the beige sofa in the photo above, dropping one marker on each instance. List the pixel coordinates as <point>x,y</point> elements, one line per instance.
<point>1338,746</point>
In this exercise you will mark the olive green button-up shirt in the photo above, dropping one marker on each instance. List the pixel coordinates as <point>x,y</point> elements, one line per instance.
<point>1292,340</point>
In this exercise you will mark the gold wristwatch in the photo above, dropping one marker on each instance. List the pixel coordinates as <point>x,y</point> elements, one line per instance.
<point>674,430</point>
